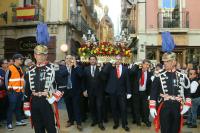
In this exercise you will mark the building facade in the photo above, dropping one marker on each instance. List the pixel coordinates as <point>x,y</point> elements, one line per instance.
<point>180,17</point>
<point>129,23</point>
<point>67,20</point>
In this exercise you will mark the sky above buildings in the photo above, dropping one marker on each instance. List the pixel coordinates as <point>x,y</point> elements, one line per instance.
<point>114,13</point>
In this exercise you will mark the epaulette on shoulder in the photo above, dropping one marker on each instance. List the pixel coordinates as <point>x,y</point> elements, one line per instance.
<point>161,71</point>
<point>179,72</point>
<point>54,66</point>
<point>31,67</point>
<point>50,65</point>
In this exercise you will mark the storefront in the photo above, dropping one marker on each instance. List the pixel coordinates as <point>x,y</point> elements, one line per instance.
<point>25,46</point>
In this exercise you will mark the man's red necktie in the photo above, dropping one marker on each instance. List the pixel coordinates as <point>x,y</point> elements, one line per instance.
<point>142,79</point>
<point>118,72</point>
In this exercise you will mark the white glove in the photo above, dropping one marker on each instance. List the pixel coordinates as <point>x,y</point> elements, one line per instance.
<point>185,109</point>
<point>51,100</point>
<point>148,98</point>
<point>153,112</point>
<point>57,95</point>
<point>85,94</point>
<point>128,96</point>
<point>27,113</point>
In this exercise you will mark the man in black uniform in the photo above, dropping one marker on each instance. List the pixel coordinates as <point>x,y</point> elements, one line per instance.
<point>170,93</point>
<point>40,93</point>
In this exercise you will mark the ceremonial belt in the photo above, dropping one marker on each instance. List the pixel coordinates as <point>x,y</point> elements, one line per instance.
<point>40,94</point>
<point>171,97</point>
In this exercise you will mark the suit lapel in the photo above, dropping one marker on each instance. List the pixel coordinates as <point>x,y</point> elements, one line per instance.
<point>115,71</point>
<point>139,74</point>
<point>89,70</point>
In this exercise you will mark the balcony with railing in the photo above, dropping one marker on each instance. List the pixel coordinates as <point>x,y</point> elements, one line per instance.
<point>27,15</point>
<point>90,5</point>
<point>74,19</point>
<point>173,21</point>
<point>79,22</point>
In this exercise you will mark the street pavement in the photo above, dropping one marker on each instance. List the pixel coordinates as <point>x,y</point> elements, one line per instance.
<point>88,129</point>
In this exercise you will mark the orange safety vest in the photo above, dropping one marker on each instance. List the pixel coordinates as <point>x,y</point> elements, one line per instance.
<point>15,82</point>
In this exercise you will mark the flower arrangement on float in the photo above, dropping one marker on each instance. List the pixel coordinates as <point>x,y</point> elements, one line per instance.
<point>104,51</point>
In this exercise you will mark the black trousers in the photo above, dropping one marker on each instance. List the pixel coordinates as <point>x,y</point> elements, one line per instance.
<point>84,109</point>
<point>170,117</point>
<point>141,108</point>
<point>72,102</point>
<point>95,104</point>
<point>118,105</point>
<point>106,106</point>
<point>3,108</point>
<point>42,116</point>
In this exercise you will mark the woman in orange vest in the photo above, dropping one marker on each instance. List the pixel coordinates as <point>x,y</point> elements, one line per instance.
<point>14,81</point>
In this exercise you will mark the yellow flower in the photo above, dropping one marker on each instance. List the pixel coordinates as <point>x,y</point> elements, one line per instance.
<point>126,52</point>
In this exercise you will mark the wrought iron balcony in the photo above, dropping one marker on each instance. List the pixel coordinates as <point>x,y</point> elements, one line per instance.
<point>173,21</point>
<point>84,26</point>
<point>74,19</point>
<point>90,5</point>
<point>27,14</point>
<point>79,22</point>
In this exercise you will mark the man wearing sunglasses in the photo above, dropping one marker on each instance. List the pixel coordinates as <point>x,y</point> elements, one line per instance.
<point>14,81</point>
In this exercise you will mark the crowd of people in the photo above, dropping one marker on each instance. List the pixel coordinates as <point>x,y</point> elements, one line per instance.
<point>98,89</point>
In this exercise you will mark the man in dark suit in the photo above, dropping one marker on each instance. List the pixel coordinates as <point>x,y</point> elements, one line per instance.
<point>141,90</point>
<point>118,86</point>
<point>73,91</point>
<point>93,88</point>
